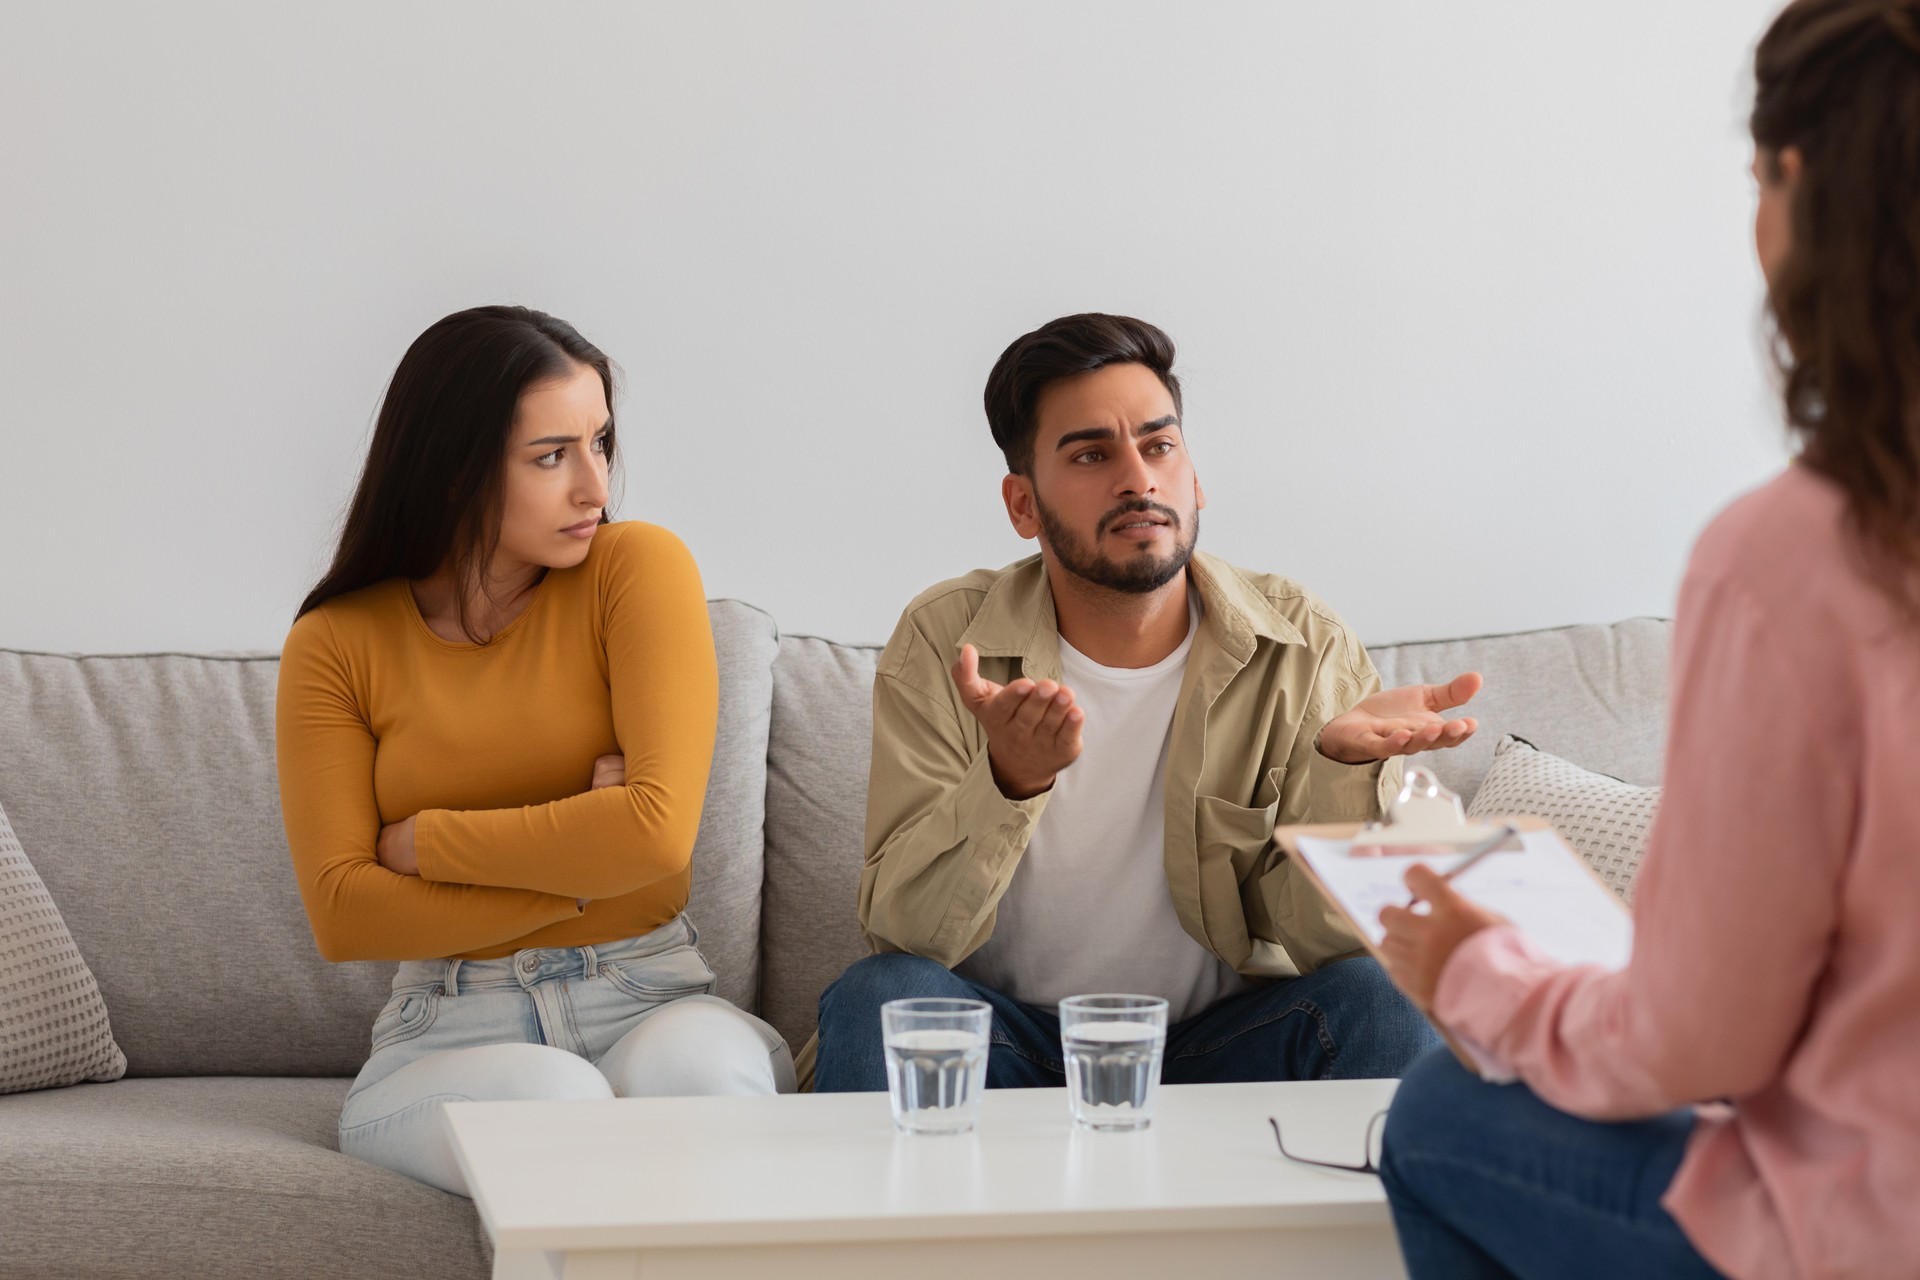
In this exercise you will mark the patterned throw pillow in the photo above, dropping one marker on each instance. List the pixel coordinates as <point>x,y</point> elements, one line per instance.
<point>53,1023</point>
<point>1603,818</point>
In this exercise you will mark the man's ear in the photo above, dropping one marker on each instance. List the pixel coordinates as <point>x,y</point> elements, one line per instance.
<point>1199,495</point>
<point>1017,492</point>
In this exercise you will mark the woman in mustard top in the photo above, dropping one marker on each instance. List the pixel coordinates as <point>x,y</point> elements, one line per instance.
<point>496,715</point>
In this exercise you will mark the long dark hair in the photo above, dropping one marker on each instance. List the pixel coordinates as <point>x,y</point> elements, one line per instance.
<point>1840,81</point>
<point>431,493</point>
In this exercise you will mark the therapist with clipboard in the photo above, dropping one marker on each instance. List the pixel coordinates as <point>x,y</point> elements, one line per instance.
<point>1743,1099</point>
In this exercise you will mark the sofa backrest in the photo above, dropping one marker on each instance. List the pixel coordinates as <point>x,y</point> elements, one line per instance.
<point>143,791</point>
<point>819,746</point>
<point>1595,695</point>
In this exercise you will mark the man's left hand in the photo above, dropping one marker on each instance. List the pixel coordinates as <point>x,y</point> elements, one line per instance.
<point>1401,722</point>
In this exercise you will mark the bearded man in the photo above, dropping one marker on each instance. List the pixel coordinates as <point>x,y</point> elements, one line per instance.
<point>1079,761</point>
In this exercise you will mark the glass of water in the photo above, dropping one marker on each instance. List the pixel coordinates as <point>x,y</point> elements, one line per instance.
<point>1112,1046</point>
<point>936,1062</point>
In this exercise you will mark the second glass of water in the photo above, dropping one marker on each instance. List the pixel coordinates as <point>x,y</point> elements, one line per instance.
<point>1112,1046</point>
<point>936,1062</point>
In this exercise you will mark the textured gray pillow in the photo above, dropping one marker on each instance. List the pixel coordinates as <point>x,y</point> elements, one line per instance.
<point>53,1023</point>
<point>1604,819</point>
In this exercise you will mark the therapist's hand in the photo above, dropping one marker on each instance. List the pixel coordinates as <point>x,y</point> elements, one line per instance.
<point>1419,944</point>
<point>1400,722</point>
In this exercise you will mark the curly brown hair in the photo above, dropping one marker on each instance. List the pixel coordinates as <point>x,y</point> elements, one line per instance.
<point>1839,80</point>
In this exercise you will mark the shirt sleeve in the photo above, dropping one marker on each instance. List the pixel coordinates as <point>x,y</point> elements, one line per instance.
<point>1319,788</point>
<point>942,842</point>
<point>1737,901</point>
<point>665,688</point>
<point>359,910</point>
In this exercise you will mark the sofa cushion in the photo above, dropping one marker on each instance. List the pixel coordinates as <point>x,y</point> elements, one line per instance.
<point>817,760</point>
<point>1595,694</point>
<point>1604,819</point>
<point>145,787</point>
<point>212,1178</point>
<point>53,1025</point>
<point>727,865</point>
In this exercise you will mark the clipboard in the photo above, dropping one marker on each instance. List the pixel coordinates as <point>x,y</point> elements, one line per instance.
<point>1544,887</point>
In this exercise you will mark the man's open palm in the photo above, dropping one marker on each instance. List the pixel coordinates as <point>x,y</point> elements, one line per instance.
<point>1401,722</point>
<point>1033,728</point>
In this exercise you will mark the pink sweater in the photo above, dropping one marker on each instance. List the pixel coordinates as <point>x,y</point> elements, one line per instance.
<point>1776,959</point>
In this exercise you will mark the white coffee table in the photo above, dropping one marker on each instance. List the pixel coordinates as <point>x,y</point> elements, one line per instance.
<point>820,1185</point>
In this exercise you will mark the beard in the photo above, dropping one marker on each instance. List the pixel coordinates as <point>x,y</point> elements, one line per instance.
<point>1139,572</point>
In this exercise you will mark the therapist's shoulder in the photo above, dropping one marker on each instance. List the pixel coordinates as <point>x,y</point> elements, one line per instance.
<point>1778,541</point>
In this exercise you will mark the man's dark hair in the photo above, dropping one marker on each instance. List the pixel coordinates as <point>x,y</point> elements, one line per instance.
<point>1059,349</point>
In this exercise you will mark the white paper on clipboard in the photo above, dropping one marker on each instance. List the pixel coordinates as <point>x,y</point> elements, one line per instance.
<point>1545,890</point>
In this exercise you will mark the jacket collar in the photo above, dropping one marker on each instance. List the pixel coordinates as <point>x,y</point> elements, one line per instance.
<point>1016,619</point>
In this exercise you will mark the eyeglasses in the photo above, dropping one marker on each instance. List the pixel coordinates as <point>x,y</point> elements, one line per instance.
<point>1369,1166</point>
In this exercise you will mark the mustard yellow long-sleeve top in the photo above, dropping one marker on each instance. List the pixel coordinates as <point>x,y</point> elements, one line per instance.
<point>492,748</point>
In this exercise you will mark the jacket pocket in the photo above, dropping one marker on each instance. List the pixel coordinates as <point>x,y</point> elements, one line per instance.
<point>683,971</point>
<point>1310,928</point>
<point>1236,832</point>
<point>406,1015</point>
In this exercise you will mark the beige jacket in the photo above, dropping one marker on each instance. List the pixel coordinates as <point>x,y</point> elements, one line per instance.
<point>1270,665</point>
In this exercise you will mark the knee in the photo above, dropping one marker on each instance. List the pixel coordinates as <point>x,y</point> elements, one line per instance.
<point>1362,980</point>
<point>869,983</point>
<point>1434,1101</point>
<point>1381,1028</point>
<point>530,1072</point>
<point>694,1048</point>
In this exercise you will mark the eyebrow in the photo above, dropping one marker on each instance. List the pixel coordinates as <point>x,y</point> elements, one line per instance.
<point>605,426</point>
<point>1106,433</point>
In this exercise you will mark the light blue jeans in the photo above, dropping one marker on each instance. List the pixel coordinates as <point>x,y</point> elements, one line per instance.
<point>633,1018</point>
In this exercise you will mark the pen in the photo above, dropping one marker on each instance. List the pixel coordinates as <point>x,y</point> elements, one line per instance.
<point>1479,851</point>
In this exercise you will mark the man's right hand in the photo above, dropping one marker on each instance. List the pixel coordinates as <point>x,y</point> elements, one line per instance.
<point>1033,728</point>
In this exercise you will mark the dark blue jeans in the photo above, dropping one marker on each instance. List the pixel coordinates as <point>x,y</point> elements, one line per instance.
<point>1342,1022</point>
<point>1488,1181</point>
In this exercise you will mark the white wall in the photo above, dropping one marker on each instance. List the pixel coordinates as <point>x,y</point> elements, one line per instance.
<point>1463,292</point>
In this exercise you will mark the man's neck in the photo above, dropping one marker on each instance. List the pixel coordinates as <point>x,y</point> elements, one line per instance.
<point>1119,628</point>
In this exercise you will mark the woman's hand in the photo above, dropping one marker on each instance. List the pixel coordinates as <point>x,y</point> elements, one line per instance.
<point>395,848</point>
<point>609,771</point>
<point>1419,944</point>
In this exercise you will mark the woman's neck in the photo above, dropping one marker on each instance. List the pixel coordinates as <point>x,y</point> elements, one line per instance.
<point>489,611</point>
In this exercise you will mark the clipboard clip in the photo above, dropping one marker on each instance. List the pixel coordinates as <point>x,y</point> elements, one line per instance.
<point>1424,818</point>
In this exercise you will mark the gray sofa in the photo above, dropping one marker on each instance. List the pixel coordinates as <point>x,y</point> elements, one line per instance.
<point>142,788</point>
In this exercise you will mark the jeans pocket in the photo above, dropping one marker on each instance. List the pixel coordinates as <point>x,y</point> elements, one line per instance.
<point>683,971</point>
<point>406,1015</point>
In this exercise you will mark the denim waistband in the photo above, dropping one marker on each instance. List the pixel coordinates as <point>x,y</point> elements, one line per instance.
<point>536,965</point>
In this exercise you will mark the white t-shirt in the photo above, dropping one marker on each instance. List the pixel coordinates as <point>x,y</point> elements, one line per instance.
<point>1089,910</point>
